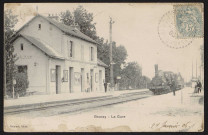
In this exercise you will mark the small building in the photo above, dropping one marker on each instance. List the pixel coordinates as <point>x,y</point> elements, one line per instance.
<point>58,58</point>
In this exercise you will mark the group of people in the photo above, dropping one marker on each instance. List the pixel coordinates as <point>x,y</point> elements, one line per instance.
<point>198,87</point>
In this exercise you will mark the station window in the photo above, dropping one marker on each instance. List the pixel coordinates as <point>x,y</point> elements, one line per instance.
<point>39,26</point>
<point>70,48</point>
<point>22,47</point>
<point>91,53</point>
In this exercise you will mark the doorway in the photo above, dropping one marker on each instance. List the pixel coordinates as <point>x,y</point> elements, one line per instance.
<point>58,79</point>
<point>100,80</point>
<point>71,74</point>
<point>91,80</point>
<point>82,80</point>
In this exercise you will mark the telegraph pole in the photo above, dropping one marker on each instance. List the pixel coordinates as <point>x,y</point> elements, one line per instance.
<point>200,73</point>
<point>192,68</point>
<point>111,59</point>
<point>196,69</point>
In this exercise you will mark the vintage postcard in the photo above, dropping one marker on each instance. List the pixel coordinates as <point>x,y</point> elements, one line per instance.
<point>104,67</point>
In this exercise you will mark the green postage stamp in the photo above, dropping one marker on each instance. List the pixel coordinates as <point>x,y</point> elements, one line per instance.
<point>189,20</point>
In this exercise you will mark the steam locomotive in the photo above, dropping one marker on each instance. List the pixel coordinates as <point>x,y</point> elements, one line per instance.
<point>162,81</point>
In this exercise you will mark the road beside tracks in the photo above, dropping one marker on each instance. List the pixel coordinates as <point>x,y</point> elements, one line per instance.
<point>69,106</point>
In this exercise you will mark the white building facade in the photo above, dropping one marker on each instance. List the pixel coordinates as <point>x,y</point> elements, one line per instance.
<point>58,58</point>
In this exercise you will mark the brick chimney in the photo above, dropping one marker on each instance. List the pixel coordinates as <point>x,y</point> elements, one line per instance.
<point>76,26</point>
<point>54,17</point>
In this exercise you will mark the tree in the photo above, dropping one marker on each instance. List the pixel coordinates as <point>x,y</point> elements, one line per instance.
<point>119,57</point>
<point>9,23</point>
<point>67,18</point>
<point>144,82</point>
<point>131,75</point>
<point>82,18</point>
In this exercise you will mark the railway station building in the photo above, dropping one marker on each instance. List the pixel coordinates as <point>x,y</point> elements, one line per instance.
<point>58,58</point>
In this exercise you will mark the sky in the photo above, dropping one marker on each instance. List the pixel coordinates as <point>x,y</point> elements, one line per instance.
<point>136,28</point>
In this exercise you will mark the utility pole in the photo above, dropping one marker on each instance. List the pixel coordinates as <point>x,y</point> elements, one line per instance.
<point>111,59</point>
<point>196,69</point>
<point>37,9</point>
<point>200,73</point>
<point>192,69</point>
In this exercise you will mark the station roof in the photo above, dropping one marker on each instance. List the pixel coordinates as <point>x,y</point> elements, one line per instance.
<point>65,28</point>
<point>42,46</point>
<point>100,63</point>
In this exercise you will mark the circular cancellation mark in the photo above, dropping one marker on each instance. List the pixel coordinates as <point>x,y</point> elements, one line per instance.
<point>167,32</point>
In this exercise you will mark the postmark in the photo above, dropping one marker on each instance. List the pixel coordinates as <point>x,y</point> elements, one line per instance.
<point>168,34</point>
<point>189,20</point>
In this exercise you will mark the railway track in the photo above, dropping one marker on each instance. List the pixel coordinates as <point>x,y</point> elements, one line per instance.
<point>61,107</point>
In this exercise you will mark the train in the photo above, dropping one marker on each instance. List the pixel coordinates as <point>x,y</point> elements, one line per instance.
<point>161,82</point>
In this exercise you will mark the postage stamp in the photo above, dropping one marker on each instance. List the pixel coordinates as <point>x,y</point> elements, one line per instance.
<point>189,21</point>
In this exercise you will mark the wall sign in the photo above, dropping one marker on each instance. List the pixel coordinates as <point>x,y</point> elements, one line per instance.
<point>53,75</point>
<point>65,75</point>
<point>96,77</point>
<point>77,78</point>
<point>25,57</point>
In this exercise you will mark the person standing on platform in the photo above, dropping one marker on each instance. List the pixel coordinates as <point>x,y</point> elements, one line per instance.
<point>172,86</point>
<point>105,86</point>
<point>196,87</point>
<point>199,85</point>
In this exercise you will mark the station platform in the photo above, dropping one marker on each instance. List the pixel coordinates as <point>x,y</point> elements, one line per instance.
<point>41,99</point>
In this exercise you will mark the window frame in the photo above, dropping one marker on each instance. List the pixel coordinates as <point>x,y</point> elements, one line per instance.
<point>21,46</point>
<point>39,26</point>
<point>70,46</point>
<point>91,53</point>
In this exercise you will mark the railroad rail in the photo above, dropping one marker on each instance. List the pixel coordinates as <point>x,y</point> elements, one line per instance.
<point>68,106</point>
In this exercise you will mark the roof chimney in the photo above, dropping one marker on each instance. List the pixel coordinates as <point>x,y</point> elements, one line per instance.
<point>76,26</point>
<point>54,17</point>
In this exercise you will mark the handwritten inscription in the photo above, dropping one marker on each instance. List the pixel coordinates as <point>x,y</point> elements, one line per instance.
<point>176,125</point>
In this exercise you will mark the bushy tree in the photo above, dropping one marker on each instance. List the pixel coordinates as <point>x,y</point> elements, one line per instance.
<point>82,18</point>
<point>144,82</point>
<point>9,23</point>
<point>119,57</point>
<point>21,83</point>
<point>130,76</point>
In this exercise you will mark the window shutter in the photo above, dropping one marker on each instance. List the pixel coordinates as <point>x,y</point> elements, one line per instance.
<point>68,48</point>
<point>89,53</point>
<point>73,50</point>
<point>92,54</point>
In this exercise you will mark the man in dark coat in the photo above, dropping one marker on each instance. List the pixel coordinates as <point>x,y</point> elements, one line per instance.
<point>199,85</point>
<point>105,85</point>
<point>172,86</point>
